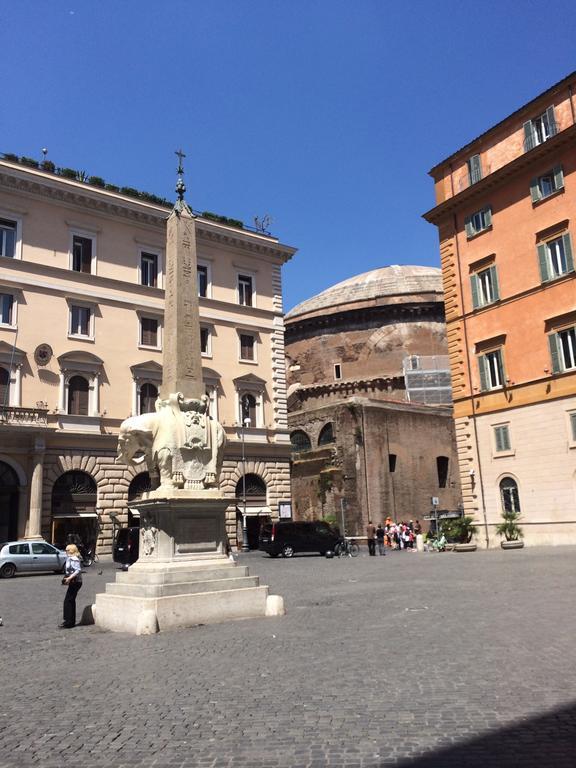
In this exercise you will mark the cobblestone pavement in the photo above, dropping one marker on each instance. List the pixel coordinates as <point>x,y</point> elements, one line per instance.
<point>420,660</point>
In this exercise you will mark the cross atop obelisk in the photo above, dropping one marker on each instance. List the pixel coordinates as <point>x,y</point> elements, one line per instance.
<point>182,360</point>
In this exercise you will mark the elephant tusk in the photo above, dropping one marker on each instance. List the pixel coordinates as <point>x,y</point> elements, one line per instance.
<point>138,460</point>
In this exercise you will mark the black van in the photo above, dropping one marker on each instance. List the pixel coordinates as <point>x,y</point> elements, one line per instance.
<point>126,546</point>
<point>285,538</point>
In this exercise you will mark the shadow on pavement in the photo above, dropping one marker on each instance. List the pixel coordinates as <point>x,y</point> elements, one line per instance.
<point>548,741</point>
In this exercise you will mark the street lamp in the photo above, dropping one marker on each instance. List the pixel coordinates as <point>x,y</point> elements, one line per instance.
<point>245,423</point>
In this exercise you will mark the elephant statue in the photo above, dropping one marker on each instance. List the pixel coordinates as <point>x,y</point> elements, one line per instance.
<point>179,443</point>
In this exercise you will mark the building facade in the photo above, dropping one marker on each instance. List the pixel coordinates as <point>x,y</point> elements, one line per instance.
<point>505,215</point>
<point>369,400</point>
<point>81,336</point>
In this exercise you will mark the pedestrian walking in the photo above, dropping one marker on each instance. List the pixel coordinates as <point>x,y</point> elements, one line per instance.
<point>73,579</point>
<point>371,536</point>
<point>380,533</point>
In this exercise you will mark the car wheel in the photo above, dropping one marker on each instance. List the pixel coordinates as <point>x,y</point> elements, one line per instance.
<point>287,551</point>
<point>7,571</point>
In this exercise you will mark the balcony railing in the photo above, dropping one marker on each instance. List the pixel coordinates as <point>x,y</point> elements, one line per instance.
<point>23,417</point>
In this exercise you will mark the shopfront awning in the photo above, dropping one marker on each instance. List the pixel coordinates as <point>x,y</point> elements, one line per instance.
<point>254,511</point>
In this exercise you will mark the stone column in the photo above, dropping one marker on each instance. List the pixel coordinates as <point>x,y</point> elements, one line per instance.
<point>34,528</point>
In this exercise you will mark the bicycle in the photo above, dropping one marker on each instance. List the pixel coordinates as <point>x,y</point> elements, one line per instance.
<point>346,548</point>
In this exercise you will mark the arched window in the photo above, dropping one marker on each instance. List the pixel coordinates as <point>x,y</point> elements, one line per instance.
<point>300,441</point>
<point>4,387</point>
<point>509,495</point>
<point>139,485</point>
<point>78,396</point>
<point>147,398</point>
<point>326,434</point>
<point>74,508</point>
<point>248,409</point>
<point>255,488</point>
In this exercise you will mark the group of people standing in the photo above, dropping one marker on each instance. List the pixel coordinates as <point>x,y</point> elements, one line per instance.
<point>391,535</point>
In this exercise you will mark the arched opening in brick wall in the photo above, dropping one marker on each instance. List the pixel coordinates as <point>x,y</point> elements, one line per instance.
<point>74,514</point>
<point>251,502</point>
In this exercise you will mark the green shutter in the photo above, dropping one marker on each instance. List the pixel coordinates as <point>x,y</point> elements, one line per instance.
<point>474,288</point>
<point>505,439</point>
<point>494,282</point>
<point>469,228</point>
<point>551,120</point>
<point>488,216</point>
<point>558,177</point>
<point>535,190</point>
<point>568,252</point>
<point>501,366</point>
<point>543,259</point>
<point>483,373</point>
<point>528,135</point>
<point>554,352</point>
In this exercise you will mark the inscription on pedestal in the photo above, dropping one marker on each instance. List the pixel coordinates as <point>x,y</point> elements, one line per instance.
<point>196,534</point>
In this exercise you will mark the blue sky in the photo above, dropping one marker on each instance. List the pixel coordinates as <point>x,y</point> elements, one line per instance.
<point>325,114</point>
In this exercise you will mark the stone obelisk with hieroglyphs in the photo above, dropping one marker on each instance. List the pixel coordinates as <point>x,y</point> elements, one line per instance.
<point>183,576</point>
<point>182,361</point>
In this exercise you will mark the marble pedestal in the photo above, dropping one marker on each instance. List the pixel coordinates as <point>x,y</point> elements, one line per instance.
<point>183,576</point>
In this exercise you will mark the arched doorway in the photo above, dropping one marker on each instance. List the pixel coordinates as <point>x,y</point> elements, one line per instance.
<point>74,508</point>
<point>9,495</point>
<point>252,488</point>
<point>140,484</point>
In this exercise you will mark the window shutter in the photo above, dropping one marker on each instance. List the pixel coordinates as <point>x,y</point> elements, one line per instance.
<point>483,373</point>
<point>488,216</point>
<point>469,228</point>
<point>573,425</point>
<point>566,240</point>
<point>505,439</point>
<point>498,436</point>
<point>535,190</point>
<point>554,352</point>
<point>551,120</point>
<point>4,387</point>
<point>543,259</point>
<point>494,281</point>
<point>528,135</point>
<point>474,288</point>
<point>558,177</point>
<point>501,366</point>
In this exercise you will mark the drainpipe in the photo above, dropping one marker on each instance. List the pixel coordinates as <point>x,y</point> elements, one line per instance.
<point>469,367</point>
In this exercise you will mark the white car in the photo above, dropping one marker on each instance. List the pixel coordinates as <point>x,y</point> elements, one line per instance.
<point>29,557</point>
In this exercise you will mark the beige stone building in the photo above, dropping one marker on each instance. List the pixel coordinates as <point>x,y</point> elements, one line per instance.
<point>81,335</point>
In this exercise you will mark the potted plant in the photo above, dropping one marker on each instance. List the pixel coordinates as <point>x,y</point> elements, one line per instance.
<point>510,530</point>
<point>461,530</point>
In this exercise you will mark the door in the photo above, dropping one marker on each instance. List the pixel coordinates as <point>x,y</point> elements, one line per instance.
<point>44,557</point>
<point>21,557</point>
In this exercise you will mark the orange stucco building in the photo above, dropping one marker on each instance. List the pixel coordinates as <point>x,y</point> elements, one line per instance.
<point>506,217</point>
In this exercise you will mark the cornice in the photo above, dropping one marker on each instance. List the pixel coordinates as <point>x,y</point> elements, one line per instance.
<point>247,242</point>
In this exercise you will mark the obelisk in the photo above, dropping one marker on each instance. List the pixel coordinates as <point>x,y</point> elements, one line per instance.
<point>181,360</point>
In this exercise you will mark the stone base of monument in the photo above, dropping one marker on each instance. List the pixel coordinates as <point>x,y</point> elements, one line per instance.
<point>183,577</point>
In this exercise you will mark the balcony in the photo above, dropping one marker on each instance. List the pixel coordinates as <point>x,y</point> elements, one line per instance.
<point>13,416</point>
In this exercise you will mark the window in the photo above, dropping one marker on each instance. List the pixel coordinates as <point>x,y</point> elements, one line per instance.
<point>147,398</point>
<point>245,290</point>
<point>474,169</point>
<point>248,410</point>
<point>442,463</point>
<point>484,285</point>
<point>392,462</point>
<point>4,387</point>
<point>337,371</point>
<point>247,347</point>
<point>502,438</point>
<point>539,130</point>
<point>6,309</point>
<point>478,222</point>
<point>82,253</point>
<point>509,495</point>
<point>80,321</point>
<point>543,186</point>
<point>563,350</point>
<point>7,238</point>
<point>78,391</point>
<point>149,332</point>
<point>19,549</point>
<point>300,441</point>
<point>326,434</point>
<point>41,548</point>
<point>205,341</point>
<point>491,370</point>
<point>149,269</point>
<point>573,426</point>
<point>555,257</point>
<point>202,277</point>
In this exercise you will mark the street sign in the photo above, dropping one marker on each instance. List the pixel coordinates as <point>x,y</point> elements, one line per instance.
<point>435,501</point>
